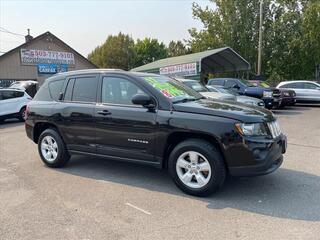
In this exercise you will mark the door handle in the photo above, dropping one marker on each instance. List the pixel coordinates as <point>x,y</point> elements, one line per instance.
<point>104,112</point>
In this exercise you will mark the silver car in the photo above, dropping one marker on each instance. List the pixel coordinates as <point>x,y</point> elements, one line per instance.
<point>204,91</point>
<point>306,91</point>
<point>239,98</point>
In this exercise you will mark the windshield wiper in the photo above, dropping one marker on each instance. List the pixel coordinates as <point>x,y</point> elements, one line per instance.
<point>183,100</point>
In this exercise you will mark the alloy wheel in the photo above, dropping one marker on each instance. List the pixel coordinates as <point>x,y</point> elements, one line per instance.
<point>193,169</point>
<point>49,148</point>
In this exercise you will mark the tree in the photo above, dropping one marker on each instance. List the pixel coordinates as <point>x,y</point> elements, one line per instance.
<point>177,49</point>
<point>290,34</point>
<point>231,23</point>
<point>116,52</point>
<point>149,50</point>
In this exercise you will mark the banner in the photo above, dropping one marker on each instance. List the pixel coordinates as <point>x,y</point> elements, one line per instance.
<point>34,56</point>
<point>187,69</point>
<point>51,68</point>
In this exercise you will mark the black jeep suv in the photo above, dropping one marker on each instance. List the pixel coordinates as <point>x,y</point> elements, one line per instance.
<point>154,120</point>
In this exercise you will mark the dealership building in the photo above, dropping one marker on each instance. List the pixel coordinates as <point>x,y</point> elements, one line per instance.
<point>39,58</point>
<point>198,65</point>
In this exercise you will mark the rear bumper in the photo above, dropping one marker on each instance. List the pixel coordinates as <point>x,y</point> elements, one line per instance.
<point>266,157</point>
<point>29,130</point>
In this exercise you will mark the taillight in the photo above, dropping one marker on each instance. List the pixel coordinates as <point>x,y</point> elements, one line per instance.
<point>27,111</point>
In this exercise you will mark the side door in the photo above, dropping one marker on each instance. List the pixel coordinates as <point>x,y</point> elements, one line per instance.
<point>312,91</point>
<point>124,130</point>
<point>75,113</point>
<point>234,86</point>
<point>298,87</point>
<point>10,102</point>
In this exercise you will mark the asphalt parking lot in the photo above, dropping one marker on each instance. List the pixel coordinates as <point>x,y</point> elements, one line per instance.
<point>98,199</point>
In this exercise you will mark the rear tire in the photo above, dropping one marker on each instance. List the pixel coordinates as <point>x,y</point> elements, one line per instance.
<point>22,114</point>
<point>52,149</point>
<point>197,167</point>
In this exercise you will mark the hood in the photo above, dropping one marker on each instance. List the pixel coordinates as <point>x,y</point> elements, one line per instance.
<point>218,95</point>
<point>242,98</point>
<point>237,111</point>
<point>250,100</point>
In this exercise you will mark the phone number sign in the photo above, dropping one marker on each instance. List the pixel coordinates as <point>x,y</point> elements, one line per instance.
<point>35,56</point>
<point>187,69</point>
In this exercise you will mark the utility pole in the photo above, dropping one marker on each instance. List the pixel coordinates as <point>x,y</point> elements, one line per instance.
<point>260,39</point>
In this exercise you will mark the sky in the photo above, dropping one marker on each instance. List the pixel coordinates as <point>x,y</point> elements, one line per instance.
<point>85,24</point>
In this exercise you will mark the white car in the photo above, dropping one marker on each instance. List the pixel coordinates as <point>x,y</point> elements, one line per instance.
<point>13,103</point>
<point>306,91</point>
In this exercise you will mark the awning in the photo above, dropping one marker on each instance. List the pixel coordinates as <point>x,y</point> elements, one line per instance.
<point>210,61</point>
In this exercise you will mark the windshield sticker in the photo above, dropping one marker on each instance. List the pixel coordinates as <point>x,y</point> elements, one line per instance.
<point>166,88</point>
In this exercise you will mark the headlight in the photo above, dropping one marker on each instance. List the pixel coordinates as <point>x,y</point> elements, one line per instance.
<point>252,129</point>
<point>286,94</point>
<point>267,94</point>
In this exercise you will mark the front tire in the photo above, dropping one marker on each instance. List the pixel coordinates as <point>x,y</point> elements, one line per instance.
<point>197,167</point>
<point>52,149</point>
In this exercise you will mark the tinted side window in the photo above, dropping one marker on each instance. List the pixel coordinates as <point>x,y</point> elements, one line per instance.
<point>293,85</point>
<point>69,89</point>
<point>310,86</point>
<point>43,93</point>
<point>55,88</point>
<point>118,90</point>
<point>8,95</point>
<point>216,82</point>
<point>85,89</point>
<point>18,94</point>
<point>230,83</point>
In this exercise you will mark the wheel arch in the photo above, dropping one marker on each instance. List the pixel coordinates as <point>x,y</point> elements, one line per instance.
<point>177,137</point>
<point>39,127</point>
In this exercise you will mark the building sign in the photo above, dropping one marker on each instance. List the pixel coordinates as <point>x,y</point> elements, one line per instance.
<point>34,56</point>
<point>187,69</point>
<point>51,68</point>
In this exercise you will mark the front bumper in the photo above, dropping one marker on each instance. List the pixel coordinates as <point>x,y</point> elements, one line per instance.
<point>288,101</point>
<point>262,157</point>
<point>268,102</point>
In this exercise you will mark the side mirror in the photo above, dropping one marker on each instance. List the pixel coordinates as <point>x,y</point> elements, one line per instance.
<point>144,100</point>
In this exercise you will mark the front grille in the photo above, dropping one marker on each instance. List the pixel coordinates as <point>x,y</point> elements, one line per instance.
<point>274,129</point>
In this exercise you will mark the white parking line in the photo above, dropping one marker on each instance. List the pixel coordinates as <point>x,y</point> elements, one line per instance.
<point>137,208</point>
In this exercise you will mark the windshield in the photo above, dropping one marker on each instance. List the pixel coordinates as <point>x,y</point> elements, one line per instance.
<point>261,84</point>
<point>196,86</point>
<point>172,89</point>
<point>246,82</point>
